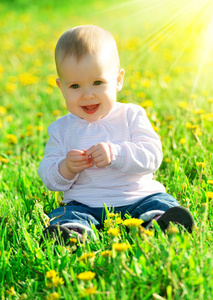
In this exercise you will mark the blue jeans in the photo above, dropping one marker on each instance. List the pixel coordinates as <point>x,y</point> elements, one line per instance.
<point>75,212</point>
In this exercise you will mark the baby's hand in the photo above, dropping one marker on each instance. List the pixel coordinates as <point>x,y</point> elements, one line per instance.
<point>75,162</point>
<point>100,154</point>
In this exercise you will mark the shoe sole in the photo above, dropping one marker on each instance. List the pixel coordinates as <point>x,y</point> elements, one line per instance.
<point>179,215</point>
<point>59,233</point>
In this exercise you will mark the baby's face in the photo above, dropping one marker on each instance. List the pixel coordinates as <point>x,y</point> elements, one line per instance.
<point>89,86</point>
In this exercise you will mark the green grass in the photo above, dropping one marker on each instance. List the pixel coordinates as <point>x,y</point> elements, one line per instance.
<point>161,75</point>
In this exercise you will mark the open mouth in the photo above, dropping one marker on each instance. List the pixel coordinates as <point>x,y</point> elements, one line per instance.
<point>90,109</point>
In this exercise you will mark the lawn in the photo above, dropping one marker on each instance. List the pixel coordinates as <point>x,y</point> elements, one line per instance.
<point>166,49</point>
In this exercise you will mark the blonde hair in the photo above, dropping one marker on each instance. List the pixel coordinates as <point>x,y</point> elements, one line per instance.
<point>81,40</point>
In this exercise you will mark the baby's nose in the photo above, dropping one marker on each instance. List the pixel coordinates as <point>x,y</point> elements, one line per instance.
<point>87,93</point>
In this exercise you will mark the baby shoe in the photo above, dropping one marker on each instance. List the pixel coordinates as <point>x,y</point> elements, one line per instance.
<point>59,233</point>
<point>179,215</point>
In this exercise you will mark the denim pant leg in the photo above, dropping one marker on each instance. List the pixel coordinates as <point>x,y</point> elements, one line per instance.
<point>157,202</point>
<point>73,212</point>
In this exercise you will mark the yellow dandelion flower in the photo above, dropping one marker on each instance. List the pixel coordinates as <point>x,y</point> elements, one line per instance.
<point>9,152</point>
<point>9,118</point>
<point>112,215</point>
<point>191,126</point>
<point>141,95</point>
<point>210,182</point>
<point>210,100</point>
<point>51,79</point>
<point>53,296</point>
<point>12,139</point>
<point>168,160</point>
<point>210,195</point>
<point>10,87</point>
<point>200,164</point>
<point>86,276</point>
<point>144,231</point>
<point>51,274</point>
<point>106,253</point>
<point>169,118</point>
<point>39,128</point>
<point>1,124</point>
<point>39,114</point>
<point>147,103</point>
<point>120,247</point>
<point>73,241</point>
<point>87,256</point>
<point>56,112</point>
<point>11,291</point>
<point>199,111</point>
<point>193,96</point>
<point>114,231</point>
<point>183,104</point>
<point>132,222</point>
<point>172,230</point>
<point>182,141</point>
<point>4,160</point>
<point>145,82</point>
<point>89,291</point>
<point>3,111</point>
<point>27,79</point>
<point>198,132</point>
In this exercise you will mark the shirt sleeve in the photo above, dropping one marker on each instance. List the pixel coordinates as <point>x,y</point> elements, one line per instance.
<point>53,155</point>
<point>143,152</point>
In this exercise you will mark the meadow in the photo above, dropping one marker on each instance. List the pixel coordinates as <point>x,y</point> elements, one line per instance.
<point>166,49</point>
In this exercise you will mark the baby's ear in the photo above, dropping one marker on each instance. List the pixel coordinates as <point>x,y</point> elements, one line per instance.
<point>120,79</point>
<point>58,82</point>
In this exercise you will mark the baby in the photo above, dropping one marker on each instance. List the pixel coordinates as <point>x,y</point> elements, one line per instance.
<point>103,151</point>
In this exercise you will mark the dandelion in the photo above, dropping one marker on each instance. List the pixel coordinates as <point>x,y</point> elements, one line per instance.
<point>168,160</point>
<point>145,82</point>
<point>56,112</point>
<point>112,215</point>
<point>39,128</point>
<point>106,253</point>
<point>199,111</point>
<point>210,100</point>
<point>87,256</point>
<point>132,222</point>
<point>172,230</point>
<point>10,87</point>
<point>9,118</point>
<point>51,80</point>
<point>120,247</point>
<point>4,160</point>
<point>73,241</point>
<point>51,274</point>
<point>27,79</point>
<point>3,111</point>
<point>182,141</point>
<point>142,230</point>
<point>86,276</point>
<point>12,139</point>
<point>210,195</point>
<point>11,291</point>
<point>147,103</point>
<point>53,296</point>
<point>210,182</point>
<point>200,164</point>
<point>114,231</point>
<point>39,114</point>
<point>89,291</point>
<point>183,104</point>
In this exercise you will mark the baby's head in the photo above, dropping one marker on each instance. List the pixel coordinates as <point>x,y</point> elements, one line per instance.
<point>89,71</point>
<point>86,40</point>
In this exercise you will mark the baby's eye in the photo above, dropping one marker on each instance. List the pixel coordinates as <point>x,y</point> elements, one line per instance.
<point>97,82</point>
<point>75,86</point>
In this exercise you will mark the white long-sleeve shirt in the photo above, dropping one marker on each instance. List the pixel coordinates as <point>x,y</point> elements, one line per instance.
<point>136,154</point>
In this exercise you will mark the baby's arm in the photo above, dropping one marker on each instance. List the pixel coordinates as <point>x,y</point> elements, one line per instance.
<point>142,153</point>
<point>59,169</point>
